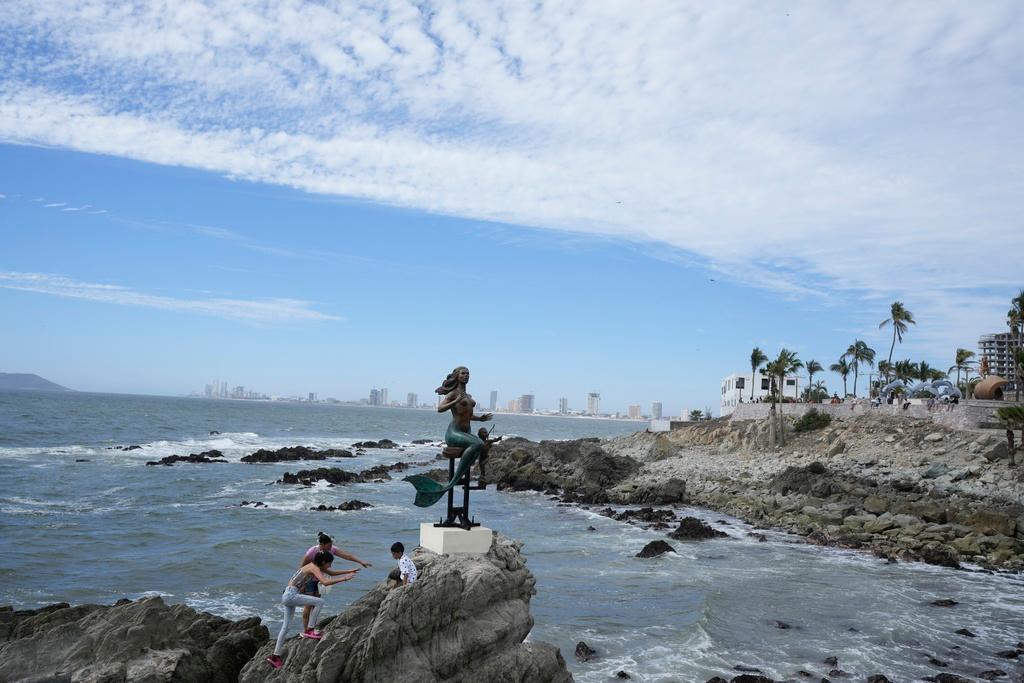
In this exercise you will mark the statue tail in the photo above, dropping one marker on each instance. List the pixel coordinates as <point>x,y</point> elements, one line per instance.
<point>428,491</point>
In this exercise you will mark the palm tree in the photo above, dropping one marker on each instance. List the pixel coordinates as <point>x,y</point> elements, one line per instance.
<point>696,415</point>
<point>816,393</point>
<point>785,364</point>
<point>757,359</point>
<point>812,367</point>
<point>905,370</point>
<point>843,368</point>
<point>927,373</point>
<point>898,317</point>
<point>963,362</point>
<point>859,352</point>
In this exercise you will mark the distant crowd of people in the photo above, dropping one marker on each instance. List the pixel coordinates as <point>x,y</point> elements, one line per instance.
<point>312,581</point>
<point>902,400</point>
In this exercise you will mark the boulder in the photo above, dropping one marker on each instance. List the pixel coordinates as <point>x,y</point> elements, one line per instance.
<point>205,456</point>
<point>347,506</point>
<point>993,522</point>
<point>293,453</point>
<point>655,548</point>
<point>693,529</point>
<point>463,620</point>
<point>935,436</point>
<point>145,640</point>
<point>584,652</point>
<point>661,493</point>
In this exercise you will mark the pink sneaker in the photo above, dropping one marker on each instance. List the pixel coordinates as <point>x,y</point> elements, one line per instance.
<point>275,661</point>
<point>312,634</point>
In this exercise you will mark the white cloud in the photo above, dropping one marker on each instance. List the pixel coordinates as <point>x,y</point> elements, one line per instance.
<point>255,310</point>
<point>58,204</point>
<point>855,150</point>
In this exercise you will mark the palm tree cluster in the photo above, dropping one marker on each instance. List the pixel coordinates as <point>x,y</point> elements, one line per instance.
<point>1015,321</point>
<point>859,357</point>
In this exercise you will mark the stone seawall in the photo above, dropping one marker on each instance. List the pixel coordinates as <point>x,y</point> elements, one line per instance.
<point>966,415</point>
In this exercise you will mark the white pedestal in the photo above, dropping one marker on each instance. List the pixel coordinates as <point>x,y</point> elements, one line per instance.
<point>454,541</point>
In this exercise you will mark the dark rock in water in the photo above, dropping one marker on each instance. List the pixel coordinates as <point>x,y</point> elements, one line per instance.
<point>965,632</point>
<point>751,678</point>
<point>804,674</point>
<point>717,679</point>
<point>141,640</point>
<point>383,443</point>
<point>334,475</point>
<point>838,673</point>
<point>941,555</point>
<point>205,456</point>
<point>761,538</point>
<point>937,662</point>
<point>465,619</point>
<point>253,503</point>
<point>830,661</point>
<point>658,518</point>
<point>945,602</point>
<point>950,678</point>
<point>347,506</point>
<point>623,675</point>
<point>655,548</point>
<point>584,652</point>
<point>82,460</point>
<point>591,528</point>
<point>292,453</point>
<point>781,625</point>
<point>438,474</point>
<point>878,678</point>
<point>214,432</point>
<point>747,669</point>
<point>1008,654</point>
<point>692,529</point>
<point>991,674</point>
<point>422,442</point>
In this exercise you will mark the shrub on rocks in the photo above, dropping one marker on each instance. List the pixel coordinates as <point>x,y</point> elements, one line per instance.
<point>812,420</point>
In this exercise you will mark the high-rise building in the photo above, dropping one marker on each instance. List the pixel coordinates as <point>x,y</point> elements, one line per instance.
<point>513,406</point>
<point>563,406</point>
<point>312,396</point>
<point>997,350</point>
<point>384,396</point>
<point>634,412</point>
<point>374,397</point>
<point>594,403</point>
<point>411,400</point>
<point>494,400</point>
<point>526,403</point>
<point>656,410</point>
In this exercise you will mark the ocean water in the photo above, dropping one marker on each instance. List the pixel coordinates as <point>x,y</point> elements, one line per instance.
<point>111,527</point>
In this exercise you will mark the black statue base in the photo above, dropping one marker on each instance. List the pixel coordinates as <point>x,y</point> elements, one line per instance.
<point>458,515</point>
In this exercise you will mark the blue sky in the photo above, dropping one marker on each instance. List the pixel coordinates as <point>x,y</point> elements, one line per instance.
<point>329,198</point>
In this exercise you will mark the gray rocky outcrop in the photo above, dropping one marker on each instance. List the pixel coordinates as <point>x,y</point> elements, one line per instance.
<point>465,619</point>
<point>905,488</point>
<point>144,641</point>
<point>580,469</point>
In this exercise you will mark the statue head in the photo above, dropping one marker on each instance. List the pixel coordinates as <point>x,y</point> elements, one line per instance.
<point>459,375</point>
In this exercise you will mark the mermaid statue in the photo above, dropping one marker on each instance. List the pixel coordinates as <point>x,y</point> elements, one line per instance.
<point>459,435</point>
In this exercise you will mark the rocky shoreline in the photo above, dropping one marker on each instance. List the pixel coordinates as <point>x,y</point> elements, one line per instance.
<point>465,619</point>
<point>902,488</point>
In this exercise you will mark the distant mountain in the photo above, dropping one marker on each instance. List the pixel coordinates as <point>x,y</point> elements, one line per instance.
<point>29,382</point>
